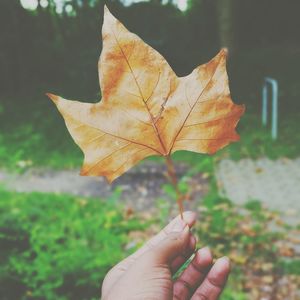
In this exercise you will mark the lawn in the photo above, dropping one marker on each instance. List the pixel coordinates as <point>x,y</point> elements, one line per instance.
<point>60,247</point>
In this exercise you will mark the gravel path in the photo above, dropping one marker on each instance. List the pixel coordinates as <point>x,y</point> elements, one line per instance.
<point>141,186</point>
<point>275,183</point>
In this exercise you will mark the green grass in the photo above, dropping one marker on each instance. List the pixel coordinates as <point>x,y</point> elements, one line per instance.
<point>25,147</point>
<point>244,235</point>
<point>59,246</point>
<point>290,266</point>
<point>35,135</point>
<point>256,141</point>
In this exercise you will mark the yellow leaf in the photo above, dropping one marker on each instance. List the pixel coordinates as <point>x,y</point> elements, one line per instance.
<point>146,109</point>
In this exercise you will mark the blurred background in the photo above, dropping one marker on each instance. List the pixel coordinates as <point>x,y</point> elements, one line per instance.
<point>60,233</point>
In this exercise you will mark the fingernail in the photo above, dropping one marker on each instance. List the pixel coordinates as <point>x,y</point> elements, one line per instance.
<point>179,226</point>
<point>206,248</point>
<point>204,253</point>
<point>223,260</point>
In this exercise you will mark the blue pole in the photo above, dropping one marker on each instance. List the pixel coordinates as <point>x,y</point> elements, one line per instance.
<point>274,85</point>
<point>275,112</point>
<point>265,105</point>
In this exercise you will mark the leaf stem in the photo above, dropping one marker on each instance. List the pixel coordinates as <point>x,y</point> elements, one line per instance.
<point>174,181</point>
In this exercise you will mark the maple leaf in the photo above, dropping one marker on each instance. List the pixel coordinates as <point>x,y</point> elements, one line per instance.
<point>146,109</point>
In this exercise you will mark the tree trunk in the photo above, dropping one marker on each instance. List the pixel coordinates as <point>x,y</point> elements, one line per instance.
<point>225,13</point>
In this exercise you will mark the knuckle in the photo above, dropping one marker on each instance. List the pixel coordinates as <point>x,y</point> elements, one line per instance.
<point>185,285</point>
<point>200,296</point>
<point>215,282</point>
<point>202,270</point>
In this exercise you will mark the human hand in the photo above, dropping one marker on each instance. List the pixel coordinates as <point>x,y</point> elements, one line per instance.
<point>147,273</point>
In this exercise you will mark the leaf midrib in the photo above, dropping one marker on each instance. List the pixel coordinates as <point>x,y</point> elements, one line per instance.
<point>142,96</point>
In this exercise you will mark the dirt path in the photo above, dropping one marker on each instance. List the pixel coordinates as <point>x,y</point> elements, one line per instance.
<point>276,183</point>
<point>141,186</point>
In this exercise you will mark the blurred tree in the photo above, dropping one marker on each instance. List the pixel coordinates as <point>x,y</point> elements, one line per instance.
<point>225,13</point>
<point>265,23</point>
<point>45,50</point>
<point>10,16</point>
<point>202,28</point>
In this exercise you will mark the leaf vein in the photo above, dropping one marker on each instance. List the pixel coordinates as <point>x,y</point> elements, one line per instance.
<point>101,160</point>
<point>213,120</point>
<point>207,84</point>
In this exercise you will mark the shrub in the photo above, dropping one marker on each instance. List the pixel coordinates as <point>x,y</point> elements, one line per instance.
<point>58,246</point>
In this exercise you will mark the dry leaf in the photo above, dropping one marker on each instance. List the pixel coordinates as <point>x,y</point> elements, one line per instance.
<point>146,109</point>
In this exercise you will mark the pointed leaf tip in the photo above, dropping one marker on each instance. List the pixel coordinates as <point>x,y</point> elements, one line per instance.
<point>109,20</point>
<point>107,11</point>
<point>53,97</point>
<point>224,51</point>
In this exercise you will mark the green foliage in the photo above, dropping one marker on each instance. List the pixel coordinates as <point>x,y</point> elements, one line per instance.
<point>246,236</point>
<point>169,190</point>
<point>291,266</point>
<point>232,294</point>
<point>253,205</point>
<point>256,141</point>
<point>25,147</point>
<point>33,139</point>
<point>58,246</point>
<point>197,162</point>
<point>163,208</point>
<point>226,226</point>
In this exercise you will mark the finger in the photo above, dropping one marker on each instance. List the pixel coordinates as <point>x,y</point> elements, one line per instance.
<point>214,283</point>
<point>114,274</point>
<point>173,245</point>
<point>193,275</point>
<point>189,218</point>
<point>182,258</point>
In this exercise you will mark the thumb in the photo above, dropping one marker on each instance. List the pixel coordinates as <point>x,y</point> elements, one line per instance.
<point>172,246</point>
